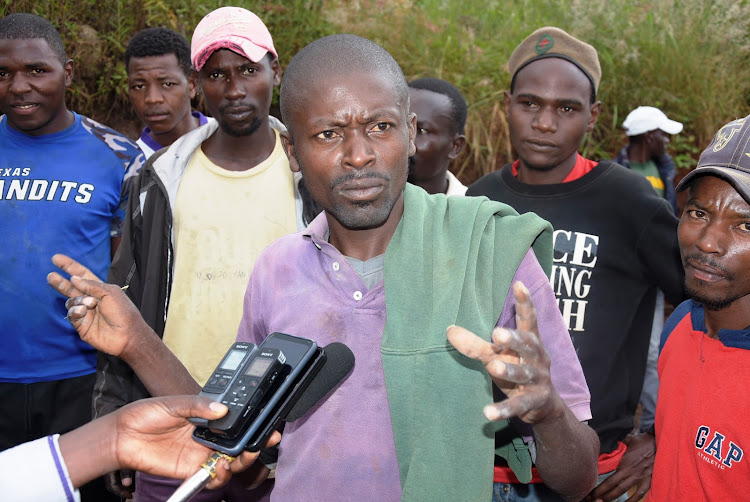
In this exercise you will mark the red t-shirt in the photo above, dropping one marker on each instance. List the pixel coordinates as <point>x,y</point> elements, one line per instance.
<point>582,166</point>
<point>701,415</point>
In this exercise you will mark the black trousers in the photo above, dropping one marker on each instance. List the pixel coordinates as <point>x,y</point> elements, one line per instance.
<point>35,410</point>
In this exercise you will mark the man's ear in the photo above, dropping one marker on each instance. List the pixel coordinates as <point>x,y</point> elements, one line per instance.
<point>192,80</point>
<point>507,97</point>
<point>276,68</point>
<point>456,146</point>
<point>68,68</point>
<point>596,109</point>
<point>412,122</point>
<point>288,144</point>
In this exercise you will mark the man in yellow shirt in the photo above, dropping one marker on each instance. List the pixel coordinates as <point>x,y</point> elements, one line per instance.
<point>200,213</point>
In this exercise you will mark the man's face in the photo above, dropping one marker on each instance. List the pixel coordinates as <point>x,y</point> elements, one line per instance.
<point>238,92</point>
<point>657,142</point>
<point>32,86</point>
<point>549,112</point>
<point>436,141</point>
<point>714,235</point>
<point>353,137</point>
<point>160,92</point>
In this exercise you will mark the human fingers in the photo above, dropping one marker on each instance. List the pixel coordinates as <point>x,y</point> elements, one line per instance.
<point>612,487</point>
<point>643,487</point>
<point>526,319</point>
<point>470,344</point>
<point>76,314</point>
<point>62,285</point>
<point>114,485</point>
<point>516,406</point>
<point>94,288</point>
<point>509,373</point>
<point>85,301</point>
<point>524,343</point>
<point>246,458</point>
<point>72,267</point>
<point>224,470</point>
<point>194,406</point>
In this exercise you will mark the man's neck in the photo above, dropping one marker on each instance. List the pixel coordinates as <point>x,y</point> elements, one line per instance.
<point>185,126</point>
<point>638,153</point>
<point>240,153</point>
<point>549,176</point>
<point>734,317</point>
<point>367,243</point>
<point>436,184</point>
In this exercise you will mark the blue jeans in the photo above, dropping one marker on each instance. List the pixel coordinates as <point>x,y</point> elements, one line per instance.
<point>504,492</point>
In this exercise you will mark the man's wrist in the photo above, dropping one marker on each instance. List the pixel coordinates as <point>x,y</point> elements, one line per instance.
<point>90,450</point>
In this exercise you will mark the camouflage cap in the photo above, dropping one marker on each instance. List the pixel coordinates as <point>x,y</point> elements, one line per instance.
<point>551,42</point>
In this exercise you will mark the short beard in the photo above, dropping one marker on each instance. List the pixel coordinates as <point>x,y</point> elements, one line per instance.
<point>239,132</point>
<point>710,303</point>
<point>702,294</point>
<point>355,218</point>
<point>360,218</point>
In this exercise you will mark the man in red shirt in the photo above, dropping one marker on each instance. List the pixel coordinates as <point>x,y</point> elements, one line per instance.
<point>701,414</point>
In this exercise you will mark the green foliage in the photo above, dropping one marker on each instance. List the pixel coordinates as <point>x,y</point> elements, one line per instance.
<point>688,57</point>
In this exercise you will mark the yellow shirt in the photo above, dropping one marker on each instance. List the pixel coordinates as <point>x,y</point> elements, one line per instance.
<point>222,221</point>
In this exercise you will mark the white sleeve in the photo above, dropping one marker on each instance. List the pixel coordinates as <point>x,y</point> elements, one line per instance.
<point>36,471</point>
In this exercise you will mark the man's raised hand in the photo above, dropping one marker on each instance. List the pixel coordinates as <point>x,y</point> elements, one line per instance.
<point>103,315</point>
<point>517,362</point>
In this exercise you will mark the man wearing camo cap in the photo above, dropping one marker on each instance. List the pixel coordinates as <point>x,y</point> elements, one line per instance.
<point>615,244</point>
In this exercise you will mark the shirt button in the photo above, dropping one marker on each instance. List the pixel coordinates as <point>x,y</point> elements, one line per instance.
<point>358,295</point>
<point>336,266</point>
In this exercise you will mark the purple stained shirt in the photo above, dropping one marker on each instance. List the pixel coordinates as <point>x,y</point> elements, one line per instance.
<point>343,448</point>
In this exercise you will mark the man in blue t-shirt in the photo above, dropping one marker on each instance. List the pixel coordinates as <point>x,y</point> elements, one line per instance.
<point>63,188</point>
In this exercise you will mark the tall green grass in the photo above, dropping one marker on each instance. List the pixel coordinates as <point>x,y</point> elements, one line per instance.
<point>688,57</point>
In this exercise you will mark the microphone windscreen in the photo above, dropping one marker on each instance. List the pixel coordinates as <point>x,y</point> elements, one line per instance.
<point>339,362</point>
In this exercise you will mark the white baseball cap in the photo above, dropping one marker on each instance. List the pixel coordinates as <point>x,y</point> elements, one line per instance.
<point>647,118</point>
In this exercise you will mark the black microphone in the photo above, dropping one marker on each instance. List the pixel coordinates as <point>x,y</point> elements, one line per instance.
<point>339,362</point>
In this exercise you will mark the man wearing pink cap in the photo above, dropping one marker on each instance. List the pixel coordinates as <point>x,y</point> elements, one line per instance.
<point>201,211</point>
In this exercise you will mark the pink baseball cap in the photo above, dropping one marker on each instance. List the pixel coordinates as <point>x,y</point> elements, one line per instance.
<point>233,28</point>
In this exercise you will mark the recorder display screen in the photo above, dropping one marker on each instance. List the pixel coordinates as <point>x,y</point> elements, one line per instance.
<point>233,360</point>
<point>259,366</point>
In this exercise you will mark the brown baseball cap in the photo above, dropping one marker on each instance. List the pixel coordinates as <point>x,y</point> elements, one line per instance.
<point>728,157</point>
<point>551,42</point>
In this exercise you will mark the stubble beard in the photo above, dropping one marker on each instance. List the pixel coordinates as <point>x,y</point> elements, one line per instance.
<point>710,302</point>
<point>355,215</point>
<point>239,132</point>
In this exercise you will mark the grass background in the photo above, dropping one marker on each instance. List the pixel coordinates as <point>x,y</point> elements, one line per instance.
<point>688,57</point>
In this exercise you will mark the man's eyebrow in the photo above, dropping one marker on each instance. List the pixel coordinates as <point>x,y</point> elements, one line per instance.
<point>692,201</point>
<point>570,101</point>
<point>381,115</point>
<point>527,95</point>
<point>560,101</point>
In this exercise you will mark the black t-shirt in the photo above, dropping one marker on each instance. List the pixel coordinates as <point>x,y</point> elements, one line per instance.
<point>615,244</point>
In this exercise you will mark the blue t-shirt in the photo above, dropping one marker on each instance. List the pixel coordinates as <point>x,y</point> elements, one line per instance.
<point>64,192</point>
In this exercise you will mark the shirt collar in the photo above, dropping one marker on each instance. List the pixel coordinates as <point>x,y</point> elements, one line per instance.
<point>735,338</point>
